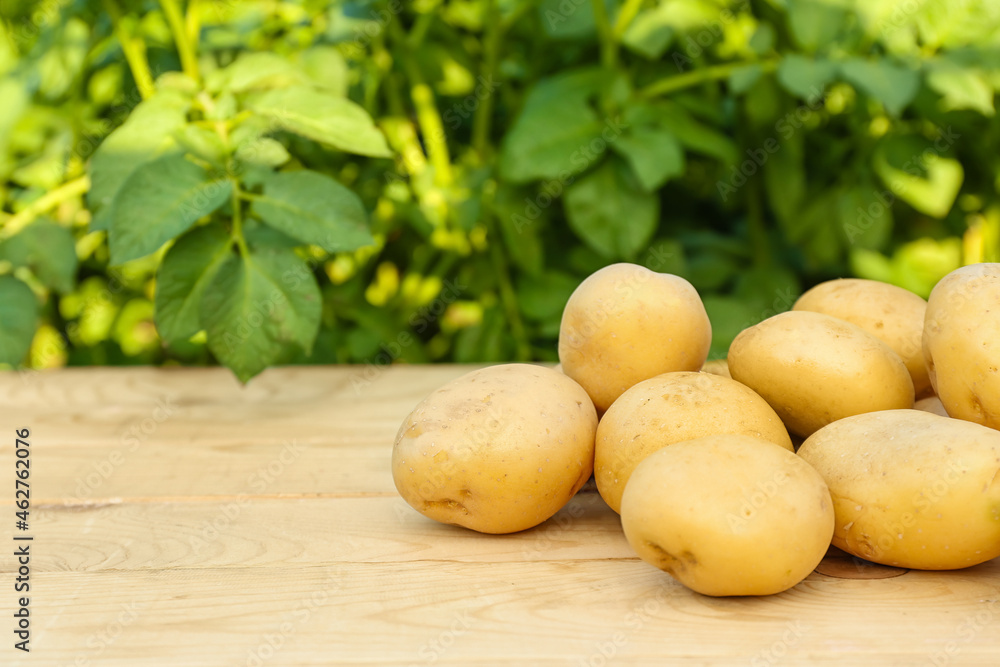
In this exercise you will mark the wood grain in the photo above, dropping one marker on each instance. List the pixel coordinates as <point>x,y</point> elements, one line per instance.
<point>259,526</point>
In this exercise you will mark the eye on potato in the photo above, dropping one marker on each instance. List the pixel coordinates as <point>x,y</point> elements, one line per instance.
<point>892,314</point>
<point>728,515</point>
<point>814,369</point>
<point>962,343</point>
<point>671,408</point>
<point>625,324</point>
<point>498,450</point>
<point>911,489</point>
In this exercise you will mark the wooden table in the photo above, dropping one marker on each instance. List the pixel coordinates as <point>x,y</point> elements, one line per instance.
<point>180,519</point>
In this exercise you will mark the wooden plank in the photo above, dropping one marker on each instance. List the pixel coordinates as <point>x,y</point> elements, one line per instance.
<point>109,434</point>
<point>259,526</point>
<point>546,613</point>
<point>252,531</point>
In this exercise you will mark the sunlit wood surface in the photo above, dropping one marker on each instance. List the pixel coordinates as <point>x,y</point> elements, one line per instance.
<point>181,519</point>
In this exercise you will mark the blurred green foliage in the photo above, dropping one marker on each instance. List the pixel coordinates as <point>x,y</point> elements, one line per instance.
<point>267,182</point>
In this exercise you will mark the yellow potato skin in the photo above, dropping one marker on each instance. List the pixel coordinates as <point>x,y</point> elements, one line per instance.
<point>911,489</point>
<point>814,369</point>
<point>625,324</point>
<point>728,515</point>
<point>498,450</point>
<point>962,343</point>
<point>892,314</point>
<point>672,408</point>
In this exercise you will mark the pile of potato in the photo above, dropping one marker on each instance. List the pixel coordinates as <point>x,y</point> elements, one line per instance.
<point>893,400</point>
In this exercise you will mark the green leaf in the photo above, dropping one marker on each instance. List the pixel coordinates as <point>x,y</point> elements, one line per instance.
<point>655,156</point>
<point>915,172</point>
<point>557,133</point>
<point>610,214</point>
<point>569,20</point>
<point>259,309</point>
<point>48,249</point>
<point>543,297</point>
<point>819,231</point>
<point>962,88</point>
<point>159,201</point>
<point>327,69</point>
<point>315,209</point>
<point>324,118</point>
<point>805,77</point>
<point>187,270</point>
<point>18,317</point>
<point>866,216</point>
<point>146,134</point>
<point>729,317</point>
<point>894,85</point>
<point>201,142</point>
<point>259,70</point>
<point>785,180</point>
<point>743,78</point>
<point>650,33</point>
<point>692,134</point>
<point>815,23</point>
<point>263,152</point>
<point>520,218</point>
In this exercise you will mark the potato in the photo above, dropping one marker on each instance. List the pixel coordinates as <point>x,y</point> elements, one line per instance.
<point>671,408</point>
<point>911,489</point>
<point>814,369</point>
<point>498,450</point>
<point>717,367</point>
<point>625,324</point>
<point>892,314</point>
<point>962,343</point>
<point>931,404</point>
<point>728,515</point>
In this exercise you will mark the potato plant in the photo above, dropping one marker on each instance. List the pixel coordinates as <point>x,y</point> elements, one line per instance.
<point>371,181</point>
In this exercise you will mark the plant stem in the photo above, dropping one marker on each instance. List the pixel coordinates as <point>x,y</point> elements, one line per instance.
<point>186,50</point>
<point>625,17</point>
<point>756,229</point>
<point>508,297</point>
<point>672,84</point>
<point>241,242</point>
<point>609,48</point>
<point>484,112</point>
<point>134,49</point>
<point>428,116</point>
<point>43,204</point>
<point>192,23</point>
